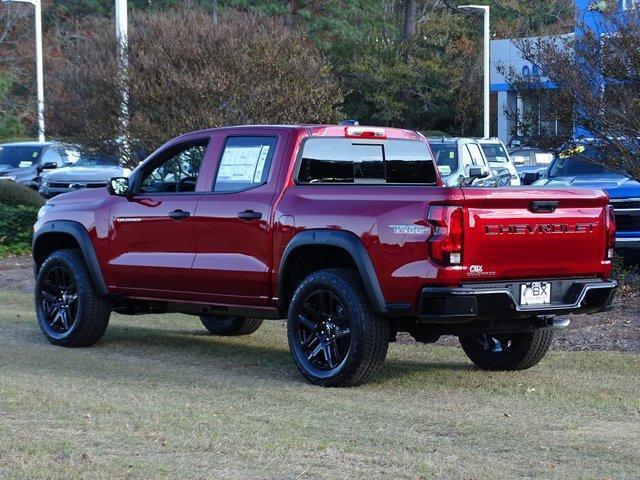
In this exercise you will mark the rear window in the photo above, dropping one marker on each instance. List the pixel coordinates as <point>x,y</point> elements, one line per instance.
<point>344,160</point>
<point>446,157</point>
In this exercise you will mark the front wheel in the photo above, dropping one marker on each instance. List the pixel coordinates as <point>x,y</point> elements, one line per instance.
<point>513,351</point>
<point>335,338</point>
<point>69,311</point>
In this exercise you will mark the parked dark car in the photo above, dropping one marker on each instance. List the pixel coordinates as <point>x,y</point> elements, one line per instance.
<point>24,162</point>
<point>580,169</point>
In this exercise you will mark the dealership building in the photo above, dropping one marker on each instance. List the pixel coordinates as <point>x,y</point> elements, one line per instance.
<point>507,57</point>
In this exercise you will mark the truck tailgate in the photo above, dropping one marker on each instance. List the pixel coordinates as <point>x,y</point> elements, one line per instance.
<point>527,233</point>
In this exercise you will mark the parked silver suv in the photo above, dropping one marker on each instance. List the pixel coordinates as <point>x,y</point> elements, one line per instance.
<point>462,161</point>
<point>90,171</point>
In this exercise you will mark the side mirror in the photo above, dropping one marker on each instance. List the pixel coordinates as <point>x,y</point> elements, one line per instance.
<point>529,177</point>
<point>46,166</point>
<point>118,186</point>
<point>477,172</point>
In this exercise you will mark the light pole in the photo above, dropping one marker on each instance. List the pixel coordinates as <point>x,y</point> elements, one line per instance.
<point>39,67</point>
<point>487,45</point>
<point>123,76</point>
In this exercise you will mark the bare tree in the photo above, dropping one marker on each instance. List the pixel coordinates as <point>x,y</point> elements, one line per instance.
<point>597,84</point>
<point>15,60</point>
<point>409,19</point>
<point>185,74</point>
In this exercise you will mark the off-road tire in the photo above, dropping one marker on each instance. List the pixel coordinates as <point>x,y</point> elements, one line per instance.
<point>526,350</point>
<point>369,337</point>
<point>230,326</point>
<point>93,311</point>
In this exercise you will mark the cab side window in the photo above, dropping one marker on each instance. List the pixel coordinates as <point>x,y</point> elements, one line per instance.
<point>476,155</point>
<point>245,163</point>
<point>177,172</point>
<point>467,161</point>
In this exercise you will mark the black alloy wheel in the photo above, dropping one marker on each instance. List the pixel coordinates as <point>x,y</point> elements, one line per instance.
<point>335,337</point>
<point>323,331</point>
<point>508,351</point>
<point>69,311</point>
<point>59,300</point>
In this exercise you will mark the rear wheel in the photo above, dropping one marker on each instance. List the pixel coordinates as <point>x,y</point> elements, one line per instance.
<point>513,351</point>
<point>230,326</point>
<point>69,311</point>
<point>335,338</point>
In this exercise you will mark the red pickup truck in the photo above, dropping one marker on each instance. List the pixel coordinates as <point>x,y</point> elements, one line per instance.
<point>345,230</point>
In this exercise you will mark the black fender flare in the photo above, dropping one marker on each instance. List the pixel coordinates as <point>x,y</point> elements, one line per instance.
<point>80,234</point>
<point>347,241</point>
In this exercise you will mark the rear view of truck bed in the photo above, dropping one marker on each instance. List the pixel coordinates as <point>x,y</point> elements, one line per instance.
<point>523,254</point>
<point>516,233</point>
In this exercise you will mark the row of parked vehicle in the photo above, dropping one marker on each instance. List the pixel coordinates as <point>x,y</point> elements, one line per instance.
<point>486,162</point>
<point>53,167</point>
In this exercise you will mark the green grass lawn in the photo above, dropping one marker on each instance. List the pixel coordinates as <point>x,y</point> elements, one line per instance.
<point>159,398</point>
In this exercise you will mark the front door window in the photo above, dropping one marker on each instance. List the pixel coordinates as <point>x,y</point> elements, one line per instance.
<point>177,174</point>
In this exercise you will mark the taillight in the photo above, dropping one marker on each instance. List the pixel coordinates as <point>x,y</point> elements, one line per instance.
<point>611,233</point>
<point>445,245</point>
<point>365,132</point>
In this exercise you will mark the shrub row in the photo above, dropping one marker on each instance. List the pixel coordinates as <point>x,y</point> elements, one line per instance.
<point>16,224</point>
<point>18,212</point>
<point>13,194</point>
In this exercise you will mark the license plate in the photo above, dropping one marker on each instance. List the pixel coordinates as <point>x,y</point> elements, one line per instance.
<point>535,293</point>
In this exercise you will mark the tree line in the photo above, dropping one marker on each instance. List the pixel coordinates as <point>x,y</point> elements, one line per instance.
<point>196,64</point>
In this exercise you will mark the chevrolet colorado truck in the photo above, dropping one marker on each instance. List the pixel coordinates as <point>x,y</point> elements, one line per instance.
<point>346,231</point>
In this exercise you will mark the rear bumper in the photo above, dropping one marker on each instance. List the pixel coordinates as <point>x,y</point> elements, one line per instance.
<point>501,301</point>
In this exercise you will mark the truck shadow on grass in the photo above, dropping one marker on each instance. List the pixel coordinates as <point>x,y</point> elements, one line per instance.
<point>254,356</point>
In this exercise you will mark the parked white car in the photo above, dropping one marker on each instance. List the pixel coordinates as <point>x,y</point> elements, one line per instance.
<point>499,159</point>
<point>461,160</point>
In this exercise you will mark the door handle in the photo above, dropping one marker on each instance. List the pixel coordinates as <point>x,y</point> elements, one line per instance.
<point>178,214</point>
<point>541,206</point>
<point>249,215</point>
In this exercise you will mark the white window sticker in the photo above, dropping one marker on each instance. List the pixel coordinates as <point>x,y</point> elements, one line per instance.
<point>257,177</point>
<point>240,164</point>
<point>444,169</point>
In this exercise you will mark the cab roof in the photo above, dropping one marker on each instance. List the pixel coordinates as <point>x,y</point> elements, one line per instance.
<point>325,130</point>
